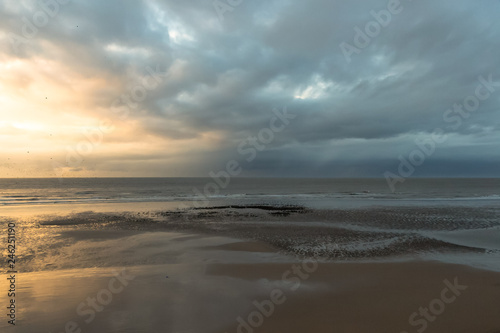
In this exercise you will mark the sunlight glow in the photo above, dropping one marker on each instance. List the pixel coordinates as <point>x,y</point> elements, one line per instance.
<point>319,88</point>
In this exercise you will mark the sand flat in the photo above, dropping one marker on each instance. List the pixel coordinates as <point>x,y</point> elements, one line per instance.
<point>205,283</point>
<point>376,297</point>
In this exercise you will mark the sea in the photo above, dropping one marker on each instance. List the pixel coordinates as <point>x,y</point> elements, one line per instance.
<point>330,192</point>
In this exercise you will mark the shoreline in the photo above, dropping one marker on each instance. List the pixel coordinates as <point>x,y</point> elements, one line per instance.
<point>340,203</point>
<point>456,235</point>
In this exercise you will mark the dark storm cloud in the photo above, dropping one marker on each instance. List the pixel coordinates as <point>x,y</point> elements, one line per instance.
<point>227,76</point>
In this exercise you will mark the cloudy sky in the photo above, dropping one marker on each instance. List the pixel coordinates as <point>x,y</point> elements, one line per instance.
<point>179,88</point>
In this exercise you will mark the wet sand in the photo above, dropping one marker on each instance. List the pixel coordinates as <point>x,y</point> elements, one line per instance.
<point>376,297</point>
<point>332,233</point>
<point>197,283</point>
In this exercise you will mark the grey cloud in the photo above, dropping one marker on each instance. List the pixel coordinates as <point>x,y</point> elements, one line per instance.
<point>428,58</point>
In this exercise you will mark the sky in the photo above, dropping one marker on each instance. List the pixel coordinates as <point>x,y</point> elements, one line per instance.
<point>317,88</point>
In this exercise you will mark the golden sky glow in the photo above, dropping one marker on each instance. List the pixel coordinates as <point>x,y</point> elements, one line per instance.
<point>51,112</point>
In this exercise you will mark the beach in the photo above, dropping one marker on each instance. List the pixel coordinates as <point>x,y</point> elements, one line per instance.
<point>212,284</point>
<point>302,262</point>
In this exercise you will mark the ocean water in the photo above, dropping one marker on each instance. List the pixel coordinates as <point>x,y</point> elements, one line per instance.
<point>453,220</point>
<point>123,190</point>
